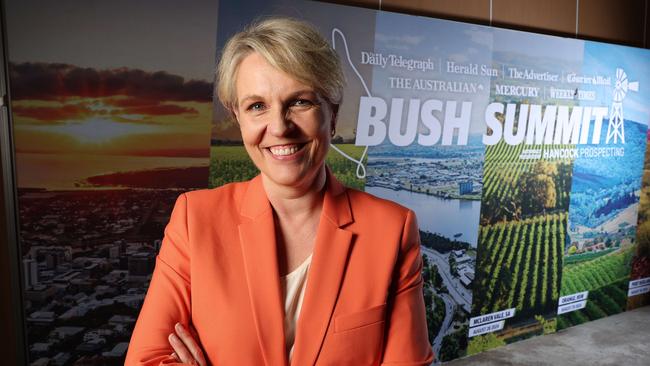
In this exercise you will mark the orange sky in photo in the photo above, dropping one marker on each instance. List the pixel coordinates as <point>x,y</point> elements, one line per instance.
<point>60,108</point>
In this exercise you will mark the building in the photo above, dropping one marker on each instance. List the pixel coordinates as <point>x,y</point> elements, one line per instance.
<point>63,333</point>
<point>466,187</point>
<point>30,272</point>
<point>41,317</point>
<point>141,265</point>
<point>467,277</point>
<point>118,351</point>
<point>463,259</point>
<point>458,253</point>
<point>114,252</point>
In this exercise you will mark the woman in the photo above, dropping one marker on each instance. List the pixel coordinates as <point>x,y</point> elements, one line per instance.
<point>290,266</point>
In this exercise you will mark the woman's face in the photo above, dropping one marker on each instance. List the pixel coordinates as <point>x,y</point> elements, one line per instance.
<point>285,125</point>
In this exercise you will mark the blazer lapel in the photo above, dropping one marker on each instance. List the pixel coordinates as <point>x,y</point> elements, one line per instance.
<point>331,251</point>
<point>257,238</point>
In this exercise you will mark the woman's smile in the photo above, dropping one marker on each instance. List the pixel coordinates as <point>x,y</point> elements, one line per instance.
<point>287,151</point>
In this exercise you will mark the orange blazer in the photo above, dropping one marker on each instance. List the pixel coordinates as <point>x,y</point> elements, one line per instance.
<point>217,269</point>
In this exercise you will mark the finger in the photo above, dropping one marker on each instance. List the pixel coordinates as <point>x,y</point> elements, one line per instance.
<point>201,357</point>
<point>182,353</point>
<point>190,342</point>
<point>175,356</point>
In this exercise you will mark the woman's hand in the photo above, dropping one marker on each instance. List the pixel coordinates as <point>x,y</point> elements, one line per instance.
<point>186,348</point>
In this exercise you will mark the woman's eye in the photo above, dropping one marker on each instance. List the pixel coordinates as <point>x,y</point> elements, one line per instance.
<point>303,103</point>
<point>256,107</point>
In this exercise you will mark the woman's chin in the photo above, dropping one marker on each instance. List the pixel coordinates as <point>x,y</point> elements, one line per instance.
<point>291,177</point>
<point>286,178</point>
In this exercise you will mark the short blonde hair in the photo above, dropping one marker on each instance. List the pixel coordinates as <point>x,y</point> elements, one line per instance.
<point>292,46</point>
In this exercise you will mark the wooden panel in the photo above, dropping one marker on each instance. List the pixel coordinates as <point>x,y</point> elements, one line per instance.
<point>474,11</point>
<point>370,4</point>
<point>549,16</point>
<point>619,21</point>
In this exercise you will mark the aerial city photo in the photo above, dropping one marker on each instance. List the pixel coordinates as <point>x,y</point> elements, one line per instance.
<point>104,145</point>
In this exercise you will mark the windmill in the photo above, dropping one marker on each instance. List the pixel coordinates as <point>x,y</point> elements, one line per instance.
<point>616,126</point>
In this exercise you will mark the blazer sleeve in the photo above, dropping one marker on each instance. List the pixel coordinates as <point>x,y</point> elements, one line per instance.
<point>168,297</point>
<point>407,340</point>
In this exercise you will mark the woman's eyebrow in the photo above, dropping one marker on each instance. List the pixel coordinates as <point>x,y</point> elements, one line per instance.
<point>302,92</point>
<point>249,97</point>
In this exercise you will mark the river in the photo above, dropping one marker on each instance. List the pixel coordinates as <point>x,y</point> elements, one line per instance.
<point>447,217</point>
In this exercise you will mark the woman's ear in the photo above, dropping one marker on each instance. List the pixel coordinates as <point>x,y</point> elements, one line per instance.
<point>234,114</point>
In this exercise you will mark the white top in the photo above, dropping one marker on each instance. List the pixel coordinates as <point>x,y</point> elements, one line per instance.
<point>293,289</point>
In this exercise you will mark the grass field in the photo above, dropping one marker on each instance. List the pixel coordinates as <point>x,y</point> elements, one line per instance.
<point>605,277</point>
<point>232,164</point>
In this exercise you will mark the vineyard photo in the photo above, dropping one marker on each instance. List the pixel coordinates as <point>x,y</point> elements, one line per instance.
<point>521,240</point>
<point>602,229</point>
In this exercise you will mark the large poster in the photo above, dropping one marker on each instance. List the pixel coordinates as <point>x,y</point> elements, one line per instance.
<point>521,155</point>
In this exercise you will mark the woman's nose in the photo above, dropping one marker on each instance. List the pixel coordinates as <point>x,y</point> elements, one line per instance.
<point>280,124</point>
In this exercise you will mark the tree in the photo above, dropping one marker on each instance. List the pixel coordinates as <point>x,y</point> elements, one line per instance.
<point>643,237</point>
<point>437,278</point>
<point>452,265</point>
<point>453,345</point>
<point>499,209</point>
<point>482,343</point>
<point>449,349</point>
<point>426,274</point>
<point>548,326</point>
<point>537,191</point>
